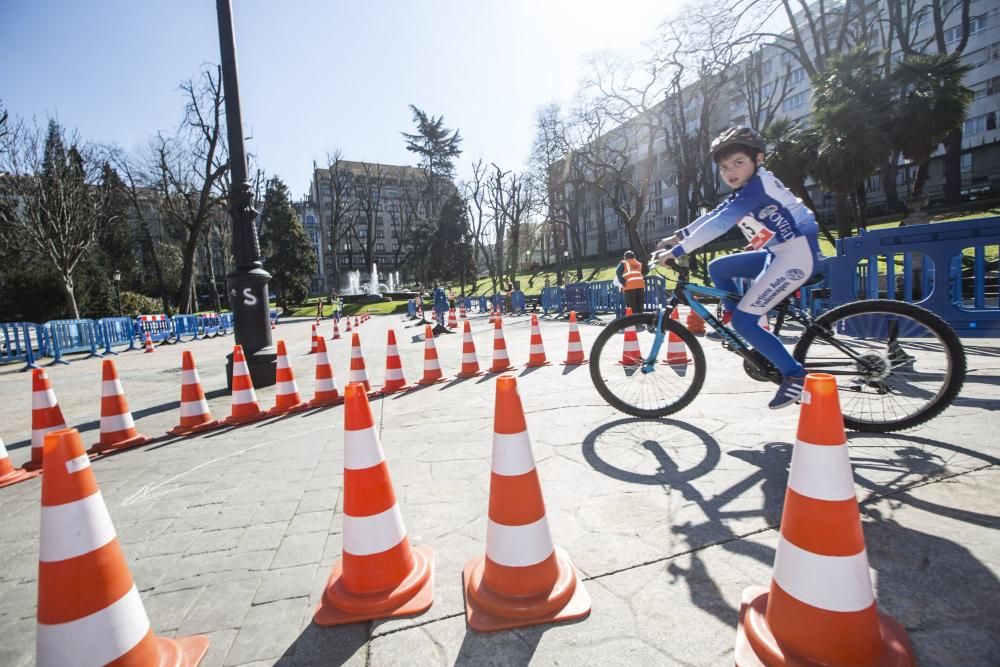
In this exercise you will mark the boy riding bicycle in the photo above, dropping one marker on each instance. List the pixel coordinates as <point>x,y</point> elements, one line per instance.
<point>782,251</point>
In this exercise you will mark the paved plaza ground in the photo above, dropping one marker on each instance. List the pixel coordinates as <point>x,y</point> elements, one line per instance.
<point>233,533</point>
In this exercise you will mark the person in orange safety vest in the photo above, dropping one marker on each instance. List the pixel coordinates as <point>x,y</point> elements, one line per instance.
<point>629,276</point>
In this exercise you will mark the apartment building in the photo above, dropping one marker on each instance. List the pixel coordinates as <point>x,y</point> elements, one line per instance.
<point>309,216</point>
<point>787,92</point>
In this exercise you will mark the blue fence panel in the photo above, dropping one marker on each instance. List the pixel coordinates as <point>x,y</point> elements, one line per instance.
<point>159,327</point>
<point>114,331</point>
<point>185,325</point>
<point>600,297</point>
<point>575,298</point>
<point>483,305</point>
<point>552,299</point>
<point>518,303</point>
<point>209,325</point>
<point>934,271</point>
<point>656,293</point>
<point>225,323</point>
<point>69,336</point>
<point>20,341</point>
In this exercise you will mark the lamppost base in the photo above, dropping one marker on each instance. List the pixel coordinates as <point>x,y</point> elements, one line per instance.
<point>263,366</point>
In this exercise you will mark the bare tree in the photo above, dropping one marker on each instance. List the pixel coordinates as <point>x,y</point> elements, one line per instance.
<point>192,164</point>
<point>57,211</point>
<point>368,193</point>
<point>336,214</point>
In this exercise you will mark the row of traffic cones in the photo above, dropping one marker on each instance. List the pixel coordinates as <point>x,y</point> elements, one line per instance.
<point>522,579</point>
<point>316,336</point>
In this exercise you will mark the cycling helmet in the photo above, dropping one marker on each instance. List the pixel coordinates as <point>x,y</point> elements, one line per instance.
<point>737,136</point>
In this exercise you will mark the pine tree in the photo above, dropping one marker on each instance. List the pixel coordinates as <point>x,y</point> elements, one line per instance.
<point>437,146</point>
<point>289,256</point>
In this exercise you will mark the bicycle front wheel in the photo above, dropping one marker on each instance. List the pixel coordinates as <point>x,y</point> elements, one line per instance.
<point>616,367</point>
<point>897,365</point>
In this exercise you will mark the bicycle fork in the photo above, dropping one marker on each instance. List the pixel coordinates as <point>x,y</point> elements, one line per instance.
<point>649,365</point>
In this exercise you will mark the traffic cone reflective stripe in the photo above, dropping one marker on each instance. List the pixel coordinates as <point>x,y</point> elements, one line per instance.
<point>348,327</point>
<point>574,349</point>
<point>315,337</point>
<point>394,379</point>
<point>8,473</point>
<point>501,362</point>
<point>452,320</point>
<point>45,415</point>
<point>326,389</point>
<point>379,574</point>
<point>676,349</point>
<point>358,372</point>
<point>695,324</point>
<point>336,331</point>
<point>523,579</point>
<point>89,610</point>
<point>244,407</point>
<point>432,366</point>
<point>820,608</point>
<point>470,362</point>
<point>461,312</point>
<point>149,344</point>
<point>536,356</point>
<point>117,426</point>
<point>286,397</point>
<point>195,415</point>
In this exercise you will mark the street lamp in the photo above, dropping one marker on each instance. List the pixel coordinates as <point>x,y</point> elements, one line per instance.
<point>117,277</point>
<point>248,281</point>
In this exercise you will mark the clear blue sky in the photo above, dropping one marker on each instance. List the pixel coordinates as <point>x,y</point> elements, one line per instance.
<point>315,75</point>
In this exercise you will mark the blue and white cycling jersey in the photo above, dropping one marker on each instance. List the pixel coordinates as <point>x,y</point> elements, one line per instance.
<point>766,211</point>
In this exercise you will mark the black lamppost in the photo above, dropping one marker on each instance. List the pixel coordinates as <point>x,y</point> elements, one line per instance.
<point>248,281</point>
<point>117,277</point>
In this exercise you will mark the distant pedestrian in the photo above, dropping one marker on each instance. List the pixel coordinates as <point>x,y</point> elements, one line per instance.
<point>629,276</point>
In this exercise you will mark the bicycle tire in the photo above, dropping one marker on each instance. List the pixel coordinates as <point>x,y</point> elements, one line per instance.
<point>952,348</point>
<point>647,320</point>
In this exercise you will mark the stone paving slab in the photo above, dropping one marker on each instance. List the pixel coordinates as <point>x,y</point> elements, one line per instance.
<point>234,532</point>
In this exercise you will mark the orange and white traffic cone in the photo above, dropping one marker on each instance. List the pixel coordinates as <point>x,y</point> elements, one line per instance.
<point>821,608</point>
<point>631,354</point>
<point>326,388</point>
<point>523,579</point>
<point>45,415</point>
<point>195,415</point>
<point>452,319</point>
<point>336,331</point>
<point>394,379</point>
<point>149,344</point>
<point>245,408</point>
<point>315,337</point>
<point>286,396</point>
<point>695,324</point>
<point>117,426</point>
<point>356,323</point>
<point>89,609</point>
<point>537,356</point>
<point>347,328</point>
<point>470,362</point>
<point>8,473</point>
<point>358,372</point>
<point>379,574</point>
<point>432,366</point>
<point>461,312</point>
<point>676,349</point>
<point>501,362</point>
<point>574,349</point>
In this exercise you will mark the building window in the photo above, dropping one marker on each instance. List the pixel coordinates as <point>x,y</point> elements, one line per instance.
<point>310,219</point>
<point>767,89</point>
<point>966,162</point>
<point>795,101</point>
<point>345,260</point>
<point>363,232</point>
<point>796,75</point>
<point>873,183</point>
<point>978,24</point>
<point>379,234</point>
<point>765,67</point>
<point>670,202</point>
<point>379,247</point>
<point>787,57</point>
<point>978,124</point>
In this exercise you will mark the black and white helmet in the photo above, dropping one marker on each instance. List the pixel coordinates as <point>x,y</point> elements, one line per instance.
<point>737,136</point>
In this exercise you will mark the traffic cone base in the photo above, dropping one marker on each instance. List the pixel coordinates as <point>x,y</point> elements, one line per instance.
<point>537,364</point>
<point>756,645</point>
<point>233,420</point>
<point>298,407</point>
<point>487,611</point>
<point>413,595</point>
<point>17,475</point>
<point>198,428</point>
<point>183,651</point>
<point>429,381</point>
<point>471,374</point>
<point>119,446</point>
<point>325,402</point>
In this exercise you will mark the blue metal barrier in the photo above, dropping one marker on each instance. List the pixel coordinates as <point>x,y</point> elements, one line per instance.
<point>927,265</point>
<point>209,325</point>
<point>159,328</point>
<point>185,325</point>
<point>483,304</point>
<point>68,336</point>
<point>552,299</point>
<point>16,343</point>
<point>411,309</point>
<point>466,301</point>
<point>114,331</point>
<point>600,296</point>
<point>575,298</point>
<point>225,323</point>
<point>517,302</point>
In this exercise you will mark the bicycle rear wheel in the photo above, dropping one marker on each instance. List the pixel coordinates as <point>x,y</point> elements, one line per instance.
<point>909,363</point>
<point>617,370</point>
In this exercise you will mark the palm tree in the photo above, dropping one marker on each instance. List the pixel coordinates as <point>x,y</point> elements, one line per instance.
<point>850,109</point>
<point>930,103</point>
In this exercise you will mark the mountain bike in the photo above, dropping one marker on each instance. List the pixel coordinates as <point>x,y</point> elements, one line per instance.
<point>897,365</point>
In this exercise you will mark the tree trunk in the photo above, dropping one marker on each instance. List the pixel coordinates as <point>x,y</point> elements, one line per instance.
<point>842,214</point>
<point>67,285</point>
<point>861,205</point>
<point>953,168</point>
<point>211,272</point>
<point>889,170</point>
<point>184,303</point>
